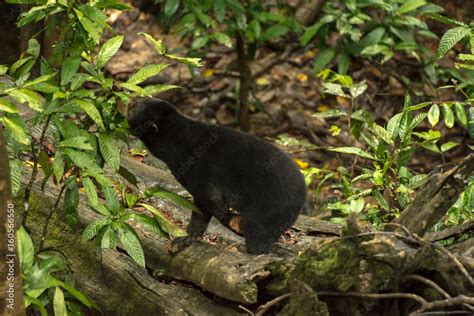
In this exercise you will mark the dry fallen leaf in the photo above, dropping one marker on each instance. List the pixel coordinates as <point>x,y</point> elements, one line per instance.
<point>302,77</point>
<point>206,73</point>
<point>262,81</point>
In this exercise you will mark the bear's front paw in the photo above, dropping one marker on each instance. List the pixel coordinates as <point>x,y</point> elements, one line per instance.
<point>179,243</point>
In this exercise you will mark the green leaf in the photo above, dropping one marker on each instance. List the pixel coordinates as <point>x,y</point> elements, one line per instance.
<point>223,39</point>
<point>108,50</point>
<point>461,113</point>
<point>195,62</point>
<point>79,142</point>
<point>58,165</point>
<point>91,110</point>
<point>158,88</point>
<point>131,243</point>
<point>7,107</point>
<point>69,69</point>
<point>450,38</point>
<point>84,161</point>
<point>71,202</point>
<point>199,42</point>
<point>160,192</point>
<point>323,59</point>
<point>448,115</point>
<point>354,151</point>
<point>157,44</point>
<point>16,167</point>
<point>447,146</point>
<point>373,37</point>
<point>39,80</point>
<point>17,127</point>
<point>380,199</point>
<point>410,5</point>
<point>109,150</point>
<point>433,115</point>
<point>165,224</point>
<point>470,122</point>
<point>109,238</point>
<point>111,199</point>
<point>446,20</point>
<point>149,223</point>
<point>382,133</point>
<point>59,305</point>
<point>33,99</point>
<point>417,181</point>
<point>394,125</point>
<point>146,72</point>
<point>219,9</point>
<point>171,6</point>
<point>274,31</point>
<point>127,175</point>
<point>3,70</point>
<point>94,227</point>
<point>26,250</point>
<point>91,191</point>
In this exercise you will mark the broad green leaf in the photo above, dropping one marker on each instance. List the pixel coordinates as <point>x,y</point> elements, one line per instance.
<point>71,202</point>
<point>26,250</point>
<point>84,161</point>
<point>127,175</point>
<point>7,107</point>
<point>195,62</point>
<point>158,44</point>
<point>417,120</point>
<point>79,142</point>
<point>16,167</point>
<point>39,80</point>
<point>171,6</point>
<point>3,70</point>
<point>158,88</point>
<point>200,42</point>
<point>470,122</point>
<point>17,127</point>
<point>353,151</point>
<point>109,150</point>
<point>219,9</point>
<point>410,5</point>
<point>417,181</point>
<point>146,72</point>
<point>223,39</point>
<point>165,224</point>
<point>433,115</point>
<point>149,223</point>
<point>111,199</point>
<point>373,37</point>
<point>91,110</point>
<point>394,124</point>
<point>78,295</point>
<point>323,59</point>
<point>94,227</point>
<point>448,115</point>
<point>450,38</point>
<point>446,20</point>
<point>382,133</point>
<point>59,305</point>
<point>357,205</point>
<point>274,31</point>
<point>58,165</point>
<point>160,192</point>
<point>69,69</point>
<point>109,238</point>
<point>108,50</point>
<point>91,191</point>
<point>334,89</point>
<point>33,99</point>
<point>380,199</point>
<point>131,243</point>
<point>358,89</point>
<point>461,113</point>
<point>447,146</point>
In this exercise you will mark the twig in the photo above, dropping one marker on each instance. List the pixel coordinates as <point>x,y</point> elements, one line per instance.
<point>411,296</point>
<point>247,310</point>
<point>265,307</point>
<point>430,284</point>
<point>48,218</point>
<point>458,300</point>
<point>34,172</point>
<point>451,231</point>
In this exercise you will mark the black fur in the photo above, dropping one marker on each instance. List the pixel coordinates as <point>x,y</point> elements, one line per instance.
<point>223,169</point>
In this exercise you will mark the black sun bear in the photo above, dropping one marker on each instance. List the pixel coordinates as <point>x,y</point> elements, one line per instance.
<point>226,171</point>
